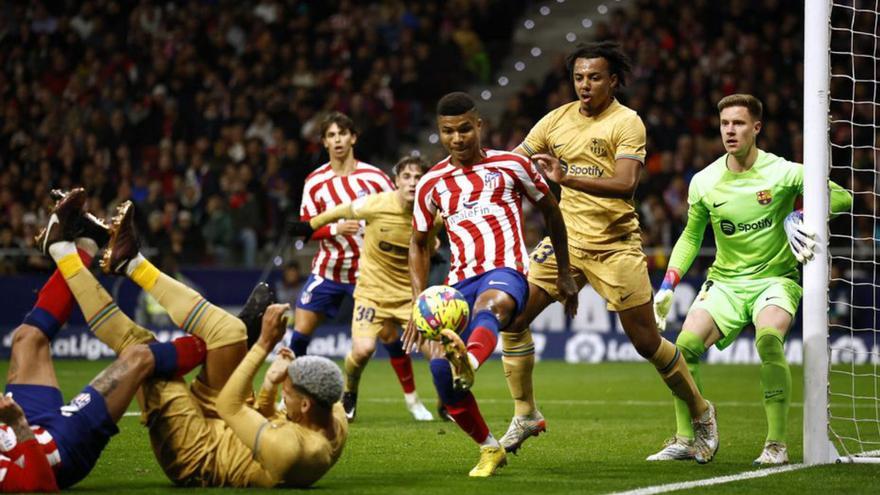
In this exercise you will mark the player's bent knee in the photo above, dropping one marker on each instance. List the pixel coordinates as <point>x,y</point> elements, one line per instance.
<point>139,356</point>
<point>29,336</point>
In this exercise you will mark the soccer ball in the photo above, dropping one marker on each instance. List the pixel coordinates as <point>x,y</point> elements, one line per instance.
<point>440,307</point>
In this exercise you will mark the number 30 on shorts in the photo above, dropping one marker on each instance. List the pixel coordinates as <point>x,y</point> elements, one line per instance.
<point>542,252</point>
<point>363,313</point>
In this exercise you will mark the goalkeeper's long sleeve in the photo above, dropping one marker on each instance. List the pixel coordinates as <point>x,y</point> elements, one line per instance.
<point>688,244</point>
<point>840,200</point>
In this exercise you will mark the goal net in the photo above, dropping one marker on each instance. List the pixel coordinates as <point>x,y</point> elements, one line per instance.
<point>850,268</point>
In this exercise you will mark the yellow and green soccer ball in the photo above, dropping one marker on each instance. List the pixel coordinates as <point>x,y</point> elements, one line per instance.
<point>440,307</point>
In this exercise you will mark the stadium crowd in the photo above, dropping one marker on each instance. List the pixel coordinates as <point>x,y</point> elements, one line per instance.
<point>205,113</point>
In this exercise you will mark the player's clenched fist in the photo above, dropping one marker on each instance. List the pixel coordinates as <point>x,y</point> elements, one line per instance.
<point>276,373</point>
<point>274,326</point>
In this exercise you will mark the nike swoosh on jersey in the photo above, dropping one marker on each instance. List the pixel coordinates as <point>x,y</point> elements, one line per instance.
<point>495,282</point>
<point>716,205</point>
<point>624,298</point>
<point>558,145</point>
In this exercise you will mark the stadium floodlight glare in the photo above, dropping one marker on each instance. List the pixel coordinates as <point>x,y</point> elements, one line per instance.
<point>841,356</point>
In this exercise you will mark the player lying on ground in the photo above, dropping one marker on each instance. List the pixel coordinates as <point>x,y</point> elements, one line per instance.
<point>72,436</point>
<point>479,195</point>
<point>748,195</point>
<point>594,149</point>
<point>335,266</point>
<point>382,294</point>
<point>204,435</point>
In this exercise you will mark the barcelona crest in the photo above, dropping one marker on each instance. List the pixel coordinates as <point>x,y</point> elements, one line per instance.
<point>599,147</point>
<point>764,197</point>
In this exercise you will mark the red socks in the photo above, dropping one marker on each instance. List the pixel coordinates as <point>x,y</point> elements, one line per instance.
<point>54,303</point>
<point>403,367</point>
<point>467,416</point>
<point>482,343</point>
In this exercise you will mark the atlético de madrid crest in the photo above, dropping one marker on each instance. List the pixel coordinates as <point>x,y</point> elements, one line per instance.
<point>764,197</point>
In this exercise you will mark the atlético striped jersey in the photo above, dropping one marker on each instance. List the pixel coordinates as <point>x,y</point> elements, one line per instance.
<point>481,206</point>
<point>10,455</point>
<point>337,257</point>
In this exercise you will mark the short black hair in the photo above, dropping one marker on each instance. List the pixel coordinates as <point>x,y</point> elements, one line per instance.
<point>455,103</point>
<point>341,120</point>
<point>410,161</point>
<point>618,63</point>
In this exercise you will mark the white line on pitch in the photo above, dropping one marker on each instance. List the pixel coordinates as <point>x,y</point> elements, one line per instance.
<point>587,402</point>
<point>685,485</point>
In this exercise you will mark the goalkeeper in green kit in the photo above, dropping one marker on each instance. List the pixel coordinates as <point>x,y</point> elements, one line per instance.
<point>748,196</point>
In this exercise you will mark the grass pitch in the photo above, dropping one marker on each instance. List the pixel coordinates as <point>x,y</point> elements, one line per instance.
<point>602,422</point>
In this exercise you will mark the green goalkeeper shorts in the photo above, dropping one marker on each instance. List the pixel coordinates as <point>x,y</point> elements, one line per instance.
<point>735,304</point>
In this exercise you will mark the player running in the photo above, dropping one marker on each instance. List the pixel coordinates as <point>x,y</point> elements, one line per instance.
<point>335,266</point>
<point>748,195</point>
<point>594,149</point>
<point>479,195</point>
<point>382,295</point>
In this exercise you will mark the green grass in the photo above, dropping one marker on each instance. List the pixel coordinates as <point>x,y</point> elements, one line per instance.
<point>602,419</point>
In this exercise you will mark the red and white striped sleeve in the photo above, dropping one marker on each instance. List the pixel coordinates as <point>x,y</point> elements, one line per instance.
<point>309,208</point>
<point>530,181</point>
<point>424,208</point>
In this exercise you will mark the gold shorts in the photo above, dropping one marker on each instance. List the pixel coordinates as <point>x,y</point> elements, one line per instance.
<point>192,444</point>
<point>370,317</point>
<point>620,276</point>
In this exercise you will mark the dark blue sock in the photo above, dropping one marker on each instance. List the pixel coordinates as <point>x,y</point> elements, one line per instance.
<point>165,357</point>
<point>42,319</point>
<point>395,349</point>
<point>442,373</point>
<point>299,343</point>
<point>486,319</point>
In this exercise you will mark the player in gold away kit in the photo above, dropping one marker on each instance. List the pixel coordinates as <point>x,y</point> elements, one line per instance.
<point>382,295</point>
<point>594,149</point>
<point>204,434</point>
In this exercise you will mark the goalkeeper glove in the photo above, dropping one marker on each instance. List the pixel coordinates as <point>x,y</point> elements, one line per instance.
<point>800,238</point>
<point>297,229</point>
<point>663,299</point>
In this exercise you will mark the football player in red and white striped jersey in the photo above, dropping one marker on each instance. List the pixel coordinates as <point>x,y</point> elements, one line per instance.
<point>27,453</point>
<point>334,268</point>
<point>479,194</point>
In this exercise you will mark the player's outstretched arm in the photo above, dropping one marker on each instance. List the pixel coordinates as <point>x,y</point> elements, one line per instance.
<point>419,264</point>
<point>328,224</point>
<point>683,254</point>
<point>622,185</point>
<point>31,471</point>
<point>565,283</point>
<point>246,423</point>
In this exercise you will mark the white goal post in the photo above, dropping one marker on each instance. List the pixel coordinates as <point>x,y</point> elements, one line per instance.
<point>842,138</point>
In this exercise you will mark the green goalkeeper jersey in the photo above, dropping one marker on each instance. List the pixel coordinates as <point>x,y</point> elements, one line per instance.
<point>747,210</point>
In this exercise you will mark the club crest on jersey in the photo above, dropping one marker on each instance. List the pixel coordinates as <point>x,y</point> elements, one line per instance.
<point>492,179</point>
<point>363,192</point>
<point>599,147</point>
<point>77,404</point>
<point>764,197</point>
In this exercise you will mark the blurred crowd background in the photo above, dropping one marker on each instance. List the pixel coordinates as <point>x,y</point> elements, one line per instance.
<point>204,112</point>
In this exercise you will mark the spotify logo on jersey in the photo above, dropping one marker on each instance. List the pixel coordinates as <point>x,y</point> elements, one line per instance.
<point>728,227</point>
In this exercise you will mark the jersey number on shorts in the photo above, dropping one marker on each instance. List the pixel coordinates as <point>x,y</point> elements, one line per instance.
<point>542,252</point>
<point>364,314</point>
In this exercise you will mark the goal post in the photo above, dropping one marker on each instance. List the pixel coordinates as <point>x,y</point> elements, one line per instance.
<point>841,303</point>
<point>817,75</point>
